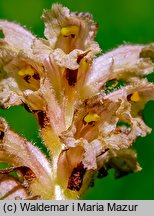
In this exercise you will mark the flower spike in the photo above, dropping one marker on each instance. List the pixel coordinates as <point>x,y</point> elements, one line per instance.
<point>88,108</point>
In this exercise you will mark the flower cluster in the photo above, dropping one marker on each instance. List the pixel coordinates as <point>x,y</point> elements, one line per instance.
<point>89,108</point>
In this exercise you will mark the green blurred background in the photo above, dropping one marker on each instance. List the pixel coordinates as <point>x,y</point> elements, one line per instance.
<point>119,21</point>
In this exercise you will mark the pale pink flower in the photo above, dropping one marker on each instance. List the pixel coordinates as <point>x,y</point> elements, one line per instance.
<point>88,108</point>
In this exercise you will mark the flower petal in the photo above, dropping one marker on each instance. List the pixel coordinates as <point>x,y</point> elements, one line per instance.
<point>123,136</point>
<point>17,36</point>
<point>143,89</point>
<point>17,151</point>
<point>69,31</point>
<point>18,73</point>
<point>68,160</point>
<point>121,63</point>
<point>11,188</point>
<point>67,60</point>
<point>96,127</point>
<point>41,49</point>
<point>90,116</point>
<point>10,95</point>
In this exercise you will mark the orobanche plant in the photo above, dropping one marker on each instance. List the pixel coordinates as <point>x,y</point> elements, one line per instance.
<point>88,107</point>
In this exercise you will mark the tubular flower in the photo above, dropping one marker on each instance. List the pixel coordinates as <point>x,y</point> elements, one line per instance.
<point>88,108</point>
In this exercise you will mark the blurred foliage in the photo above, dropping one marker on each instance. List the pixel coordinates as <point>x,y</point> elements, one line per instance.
<point>119,21</point>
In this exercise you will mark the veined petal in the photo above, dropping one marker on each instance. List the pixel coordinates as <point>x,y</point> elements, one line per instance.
<point>7,53</point>
<point>67,60</point>
<point>97,121</point>
<point>41,49</point>
<point>10,94</point>
<point>17,151</point>
<point>11,188</point>
<point>90,116</point>
<point>137,93</point>
<point>83,124</point>
<point>34,100</point>
<point>19,69</point>
<point>17,36</point>
<point>126,130</point>
<point>68,160</point>
<point>66,74</point>
<point>69,31</point>
<point>122,63</point>
<point>133,98</point>
<point>18,73</point>
<point>122,137</point>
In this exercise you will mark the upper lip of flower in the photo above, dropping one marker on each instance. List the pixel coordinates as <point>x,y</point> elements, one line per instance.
<point>62,82</point>
<point>26,158</point>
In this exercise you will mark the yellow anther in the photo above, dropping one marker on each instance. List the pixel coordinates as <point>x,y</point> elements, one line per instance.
<point>70,30</point>
<point>135,97</point>
<point>91,118</point>
<point>26,71</point>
